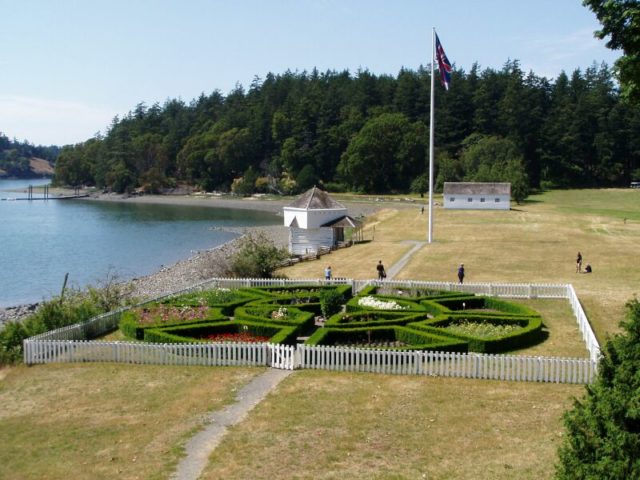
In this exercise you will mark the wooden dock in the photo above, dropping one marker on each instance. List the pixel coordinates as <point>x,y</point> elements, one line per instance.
<point>60,197</point>
<point>45,195</point>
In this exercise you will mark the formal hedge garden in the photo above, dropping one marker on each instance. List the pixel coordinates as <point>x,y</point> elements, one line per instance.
<point>378,317</point>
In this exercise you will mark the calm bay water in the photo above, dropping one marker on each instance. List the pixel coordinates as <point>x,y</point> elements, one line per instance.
<point>41,240</point>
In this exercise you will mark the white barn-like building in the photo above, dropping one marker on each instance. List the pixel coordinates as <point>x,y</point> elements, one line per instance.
<point>316,222</point>
<point>477,196</point>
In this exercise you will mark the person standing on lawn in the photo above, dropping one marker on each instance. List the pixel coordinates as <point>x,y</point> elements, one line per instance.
<point>579,263</point>
<point>381,272</point>
<point>461,273</point>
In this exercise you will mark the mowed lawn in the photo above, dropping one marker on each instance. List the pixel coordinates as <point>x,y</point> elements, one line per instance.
<point>105,421</point>
<point>132,421</point>
<point>329,425</point>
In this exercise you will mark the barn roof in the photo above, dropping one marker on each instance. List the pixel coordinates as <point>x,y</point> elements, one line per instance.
<point>477,188</point>
<point>316,199</point>
<point>345,221</point>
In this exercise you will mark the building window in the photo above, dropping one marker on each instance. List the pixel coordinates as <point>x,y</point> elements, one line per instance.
<point>452,199</point>
<point>469,199</point>
<point>482,200</point>
<point>497,200</point>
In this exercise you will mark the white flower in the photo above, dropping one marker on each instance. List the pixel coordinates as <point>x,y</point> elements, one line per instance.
<point>372,302</point>
<point>280,313</point>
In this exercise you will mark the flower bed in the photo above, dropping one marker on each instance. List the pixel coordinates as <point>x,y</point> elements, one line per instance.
<point>483,329</point>
<point>244,337</point>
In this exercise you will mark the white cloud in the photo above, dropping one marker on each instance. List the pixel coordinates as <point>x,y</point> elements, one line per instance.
<point>51,122</point>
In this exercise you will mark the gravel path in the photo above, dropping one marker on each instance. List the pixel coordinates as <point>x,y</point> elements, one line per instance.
<point>203,443</point>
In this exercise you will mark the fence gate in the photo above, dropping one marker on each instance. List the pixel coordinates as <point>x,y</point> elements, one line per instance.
<point>283,356</point>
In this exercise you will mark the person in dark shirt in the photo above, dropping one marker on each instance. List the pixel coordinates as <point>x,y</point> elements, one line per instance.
<point>579,263</point>
<point>461,273</point>
<point>381,273</point>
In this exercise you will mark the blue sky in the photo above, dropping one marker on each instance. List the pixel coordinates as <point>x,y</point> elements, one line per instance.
<point>67,67</point>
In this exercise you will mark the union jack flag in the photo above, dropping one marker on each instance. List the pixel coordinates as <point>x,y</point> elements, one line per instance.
<point>444,66</point>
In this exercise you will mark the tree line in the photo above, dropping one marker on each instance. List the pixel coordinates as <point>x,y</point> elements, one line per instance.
<point>15,156</point>
<point>369,133</point>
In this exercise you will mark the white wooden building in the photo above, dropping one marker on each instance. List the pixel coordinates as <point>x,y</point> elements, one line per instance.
<point>477,196</point>
<point>316,222</point>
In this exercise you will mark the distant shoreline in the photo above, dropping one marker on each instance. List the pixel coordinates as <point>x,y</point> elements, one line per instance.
<point>249,203</point>
<point>265,204</point>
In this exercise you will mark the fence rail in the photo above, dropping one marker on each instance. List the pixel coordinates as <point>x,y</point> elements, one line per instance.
<point>71,344</point>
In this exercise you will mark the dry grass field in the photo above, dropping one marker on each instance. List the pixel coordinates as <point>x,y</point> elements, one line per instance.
<point>327,425</point>
<point>536,242</point>
<point>105,421</point>
<point>115,421</point>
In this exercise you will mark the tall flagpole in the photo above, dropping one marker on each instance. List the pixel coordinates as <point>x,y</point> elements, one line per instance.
<point>433,56</point>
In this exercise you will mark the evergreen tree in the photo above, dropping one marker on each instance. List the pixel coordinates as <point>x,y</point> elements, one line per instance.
<point>620,21</point>
<point>603,428</point>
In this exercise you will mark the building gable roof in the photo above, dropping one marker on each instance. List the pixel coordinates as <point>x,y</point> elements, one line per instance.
<point>477,188</point>
<point>345,221</point>
<point>316,199</point>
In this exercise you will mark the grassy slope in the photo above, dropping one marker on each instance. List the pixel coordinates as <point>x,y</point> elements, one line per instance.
<point>92,420</point>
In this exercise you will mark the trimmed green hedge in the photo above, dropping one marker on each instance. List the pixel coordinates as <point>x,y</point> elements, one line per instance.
<point>373,318</point>
<point>186,333</point>
<point>407,305</point>
<point>415,294</point>
<point>422,324</point>
<point>299,291</point>
<point>472,302</point>
<point>132,329</point>
<point>413,339</point>
<point>314,307</point>
<point>530,333</point>
<point>257,312</point>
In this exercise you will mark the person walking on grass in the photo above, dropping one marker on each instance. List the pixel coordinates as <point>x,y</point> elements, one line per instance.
<point>327,273</point>
<point>381,272</point>
<point>461,273</point>
<point>579,263</point>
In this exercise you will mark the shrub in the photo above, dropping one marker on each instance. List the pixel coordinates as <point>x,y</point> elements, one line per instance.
<point>75,307</point>
<point>331,301</point>
<point>602,437</point>
<point>257,257</point>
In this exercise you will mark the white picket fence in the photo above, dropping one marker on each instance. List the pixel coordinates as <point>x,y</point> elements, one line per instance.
<point>70,344</point>
<point>445,364</point>
<point>343,359</point>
